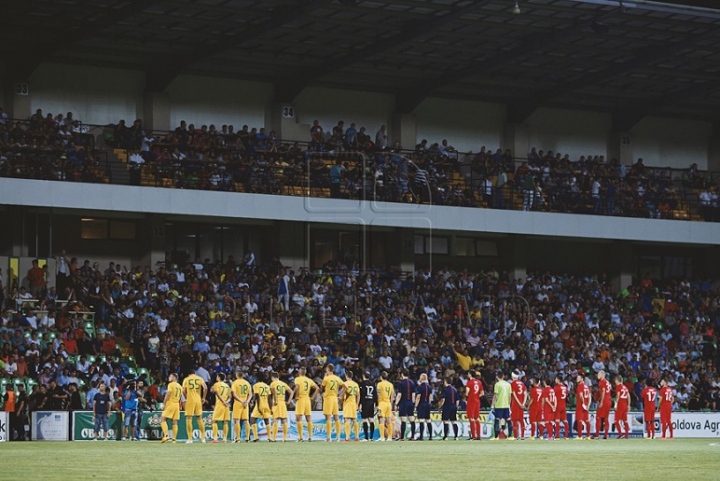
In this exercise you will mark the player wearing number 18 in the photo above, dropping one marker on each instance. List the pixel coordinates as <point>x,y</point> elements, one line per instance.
<point>171,409</point>
<point>242,394</point>
<point>221,414</point>
<point>194,390</point>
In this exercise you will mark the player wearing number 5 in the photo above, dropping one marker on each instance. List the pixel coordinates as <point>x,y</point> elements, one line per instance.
<point>171,408</point>
<point>386,395</point>
<point>305,389</point>
<point>330,387</point>
<point>195,391</point>
<point>243,395</point>
<point>221,414</point>
<point>279,410</point>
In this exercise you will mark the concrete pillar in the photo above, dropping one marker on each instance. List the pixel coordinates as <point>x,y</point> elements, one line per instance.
<point>714,149</point>
<point>407,250</point>
<point>154,230</point>
<point>516,137</point>
<point>620,147</point>
<point>156,111</point>
<point>518,268</point>
<point>293,248</point>
<point>403,129</point>
<point>621,252</point>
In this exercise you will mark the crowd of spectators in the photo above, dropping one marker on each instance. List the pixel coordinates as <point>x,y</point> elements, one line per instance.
<point>348,162</point>
<point>207,317</point>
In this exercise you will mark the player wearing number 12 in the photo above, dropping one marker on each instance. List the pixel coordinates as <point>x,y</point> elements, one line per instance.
<point>649,397</point>
<point>242,394</point>
<point>279,410</point>
<point>622,396</point>
<point>221,414</point>
<point>171,408</point>
<point>351,403</point>
<point>305,389</point>
<point>194,390</point>
<point>331,386</point>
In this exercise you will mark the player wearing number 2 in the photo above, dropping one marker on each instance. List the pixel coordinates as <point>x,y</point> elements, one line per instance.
<point>561,394</point>
<point>330,387</point>
<point>221,413</point>
<point>666,401</point>
<point>649,398</point>
<point>305,389</point>
<point>622,397</point>
<point>474,391</point>
<point>194,390</point>
<point>171,408</point>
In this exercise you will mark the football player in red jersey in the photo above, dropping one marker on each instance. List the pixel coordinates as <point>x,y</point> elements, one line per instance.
<point>474,391</point>
<point>535,408</point>
<point>549,408</point>
<point>561,394</point>
<point>518,399</point>
<point>622,399</point>
<point>649,398</point>
<point>604,404</point>
<point>583,399</point>
<point>667,397</point>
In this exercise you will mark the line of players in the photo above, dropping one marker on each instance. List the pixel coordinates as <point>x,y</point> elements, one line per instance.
<point>546,404</point>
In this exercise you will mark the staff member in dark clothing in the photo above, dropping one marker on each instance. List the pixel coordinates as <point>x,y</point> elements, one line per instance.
<point>101,411</point>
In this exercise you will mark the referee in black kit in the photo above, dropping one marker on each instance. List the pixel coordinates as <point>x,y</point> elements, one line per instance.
<point>368,402</point>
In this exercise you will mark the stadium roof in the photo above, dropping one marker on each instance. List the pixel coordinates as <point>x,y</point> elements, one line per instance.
<point>633,59</point>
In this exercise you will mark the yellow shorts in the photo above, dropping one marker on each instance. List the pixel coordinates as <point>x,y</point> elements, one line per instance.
<point>330,406</point>
<point>221,413</point>
<point>279,411</point>
<point>240,412</point>
<point>193,408</point>
<point>303,407</point>
<point>171,411</point>
<point>261,411</point>
<point>350,411</point>
<point>385,410</point>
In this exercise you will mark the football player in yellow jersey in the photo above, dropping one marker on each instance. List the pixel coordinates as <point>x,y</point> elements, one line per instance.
<point>221,414</point>
<point>171,408</point>
<point>305,390</point>
<point>330,387</point>
<point>279,410</point>
<point>351,404</point>
<point>195,391</point>
<point>243,396</point>
<point>386,394</point>
<point>263,398</point>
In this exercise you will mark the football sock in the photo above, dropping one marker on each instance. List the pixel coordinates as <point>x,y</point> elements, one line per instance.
<point>309,424</point>
<point>164,428</point>
<point>347,429</point>
<point>214,430</point>
<point>455,429</point>
<point>201,424</point>
<point>365,430</point>
<point>189,426</point>
<point>403,426</point>
<point>300,429</point>
<point>285,430</point>
<point>412,429</point>
<point>247,431</point>
<point>338,428</point>
<point>328,429</point>
<point>255,430</point>
<point>274,430</point>
<point>429,430</point>
<point>598,427</point>
<point>472,429</point>
<point>372,429</point>
<point>422,429</point>
<point>381,427</point>
<point>672,431</point>
<point>533,426</point>
<point>607,426</point>
<point>619,428</point>
<point>580,429</point>
<point>567,429</point>
<point>226,430</point>
<point>356,425</point>
<point>522,429</point>
<point>446,430</point>
<point>627,429</point>
<point>237,430</point>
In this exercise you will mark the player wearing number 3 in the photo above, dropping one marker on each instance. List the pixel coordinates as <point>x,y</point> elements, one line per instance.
<point>194,390</point>
<point>303,388</point>
<point>171,408</point>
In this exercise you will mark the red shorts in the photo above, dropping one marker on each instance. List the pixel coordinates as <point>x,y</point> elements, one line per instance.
<point>621,414</point>
<point>561,415</point>
<point>535,416</point>
<point>649,416</point>
<point>517,414</point>
<point>603,411</point>
<point>473,410</point>
<point>665,416</point>
<point>581,415</point>
<point>549,415</point>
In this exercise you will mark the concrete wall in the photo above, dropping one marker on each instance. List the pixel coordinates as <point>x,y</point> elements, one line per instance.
<point>671,143</point>
<point>571,132</point>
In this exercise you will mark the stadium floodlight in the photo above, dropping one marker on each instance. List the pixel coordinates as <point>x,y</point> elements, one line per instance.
<point>516,9</point>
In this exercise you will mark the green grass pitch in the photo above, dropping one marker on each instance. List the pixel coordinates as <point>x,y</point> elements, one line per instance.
<point>683,460</point>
